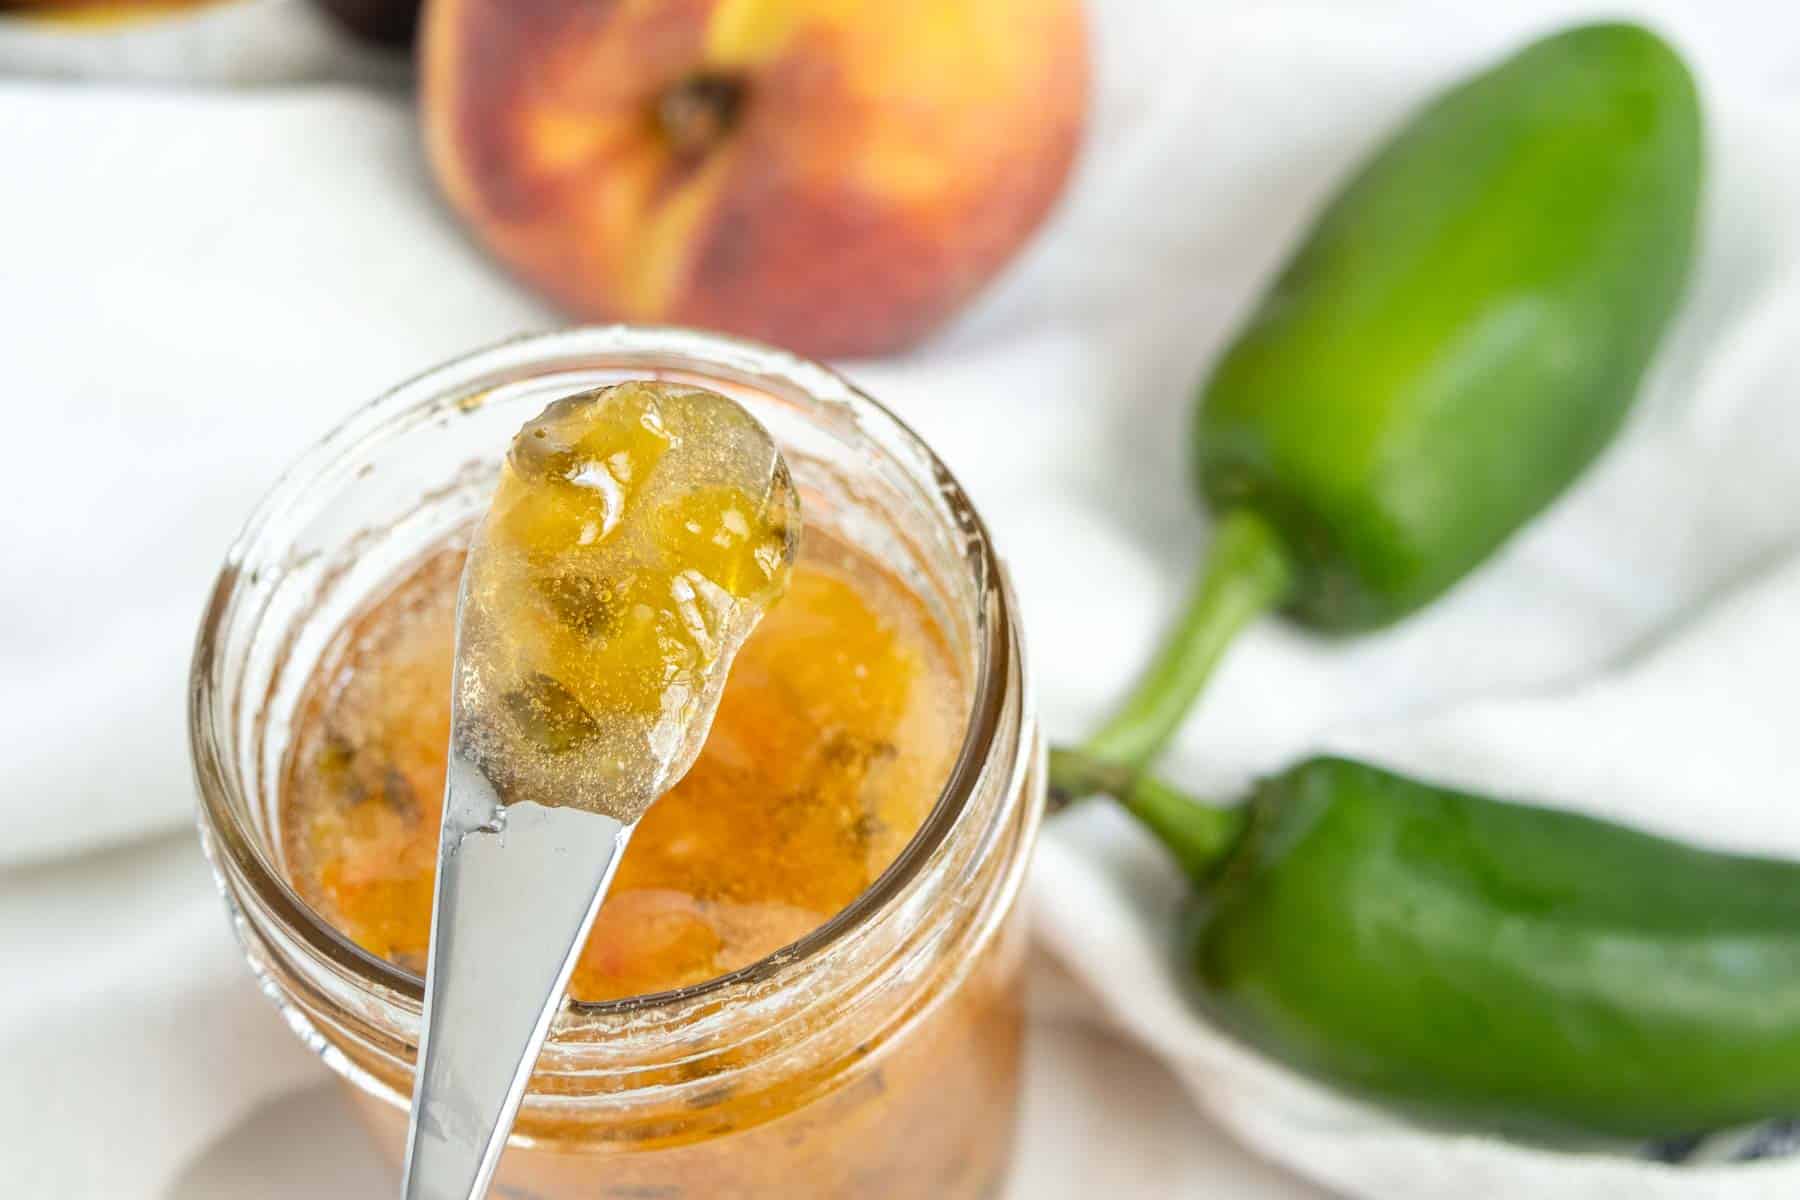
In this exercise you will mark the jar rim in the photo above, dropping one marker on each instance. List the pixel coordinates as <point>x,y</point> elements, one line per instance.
<point>453,382</point>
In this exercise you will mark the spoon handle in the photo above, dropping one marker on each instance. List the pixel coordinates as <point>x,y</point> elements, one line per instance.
<point>517,890</point>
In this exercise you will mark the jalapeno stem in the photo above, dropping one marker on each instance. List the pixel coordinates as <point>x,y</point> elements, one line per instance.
<point>1198,834</point>
<point>1245,574</point>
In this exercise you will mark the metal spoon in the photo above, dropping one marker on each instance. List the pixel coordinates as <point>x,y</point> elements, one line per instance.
<point>522,870</point>
<point>493,984</point>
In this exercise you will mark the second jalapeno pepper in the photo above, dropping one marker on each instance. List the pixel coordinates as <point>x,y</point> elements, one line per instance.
<point>1525,969</point>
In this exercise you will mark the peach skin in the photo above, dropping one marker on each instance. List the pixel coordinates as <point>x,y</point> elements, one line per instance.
<point>835,176</point>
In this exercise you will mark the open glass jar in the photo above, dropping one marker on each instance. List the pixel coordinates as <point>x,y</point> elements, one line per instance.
<point>878,1056</point>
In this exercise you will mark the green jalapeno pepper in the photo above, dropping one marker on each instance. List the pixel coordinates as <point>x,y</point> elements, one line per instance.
<point>1529,969</point>
<point>1461,334</point>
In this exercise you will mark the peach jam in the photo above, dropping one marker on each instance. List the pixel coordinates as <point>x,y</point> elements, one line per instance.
<point>637,535</point>
<point>806,980</point>
<point>835,732</point>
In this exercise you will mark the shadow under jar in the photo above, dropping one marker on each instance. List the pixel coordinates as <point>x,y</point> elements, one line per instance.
<point>876,1056</point>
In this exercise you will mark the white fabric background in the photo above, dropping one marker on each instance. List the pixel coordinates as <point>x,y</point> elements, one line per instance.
<point>193,284</point>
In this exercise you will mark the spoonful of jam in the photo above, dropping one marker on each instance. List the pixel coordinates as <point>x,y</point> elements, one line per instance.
<point>637,535</point>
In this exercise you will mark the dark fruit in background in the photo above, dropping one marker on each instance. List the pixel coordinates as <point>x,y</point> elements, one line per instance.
<point>382,22</point>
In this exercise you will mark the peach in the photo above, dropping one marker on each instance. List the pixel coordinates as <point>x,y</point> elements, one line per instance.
<point>835,176</point>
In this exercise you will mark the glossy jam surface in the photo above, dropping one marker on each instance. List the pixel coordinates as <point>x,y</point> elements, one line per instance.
<point>637,535</point>
<point>835,732</point>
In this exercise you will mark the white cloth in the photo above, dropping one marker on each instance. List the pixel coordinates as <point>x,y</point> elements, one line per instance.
<point>193,284</point>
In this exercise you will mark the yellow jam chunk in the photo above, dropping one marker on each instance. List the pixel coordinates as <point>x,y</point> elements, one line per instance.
<point>834,735</point>
<point>637,535</point>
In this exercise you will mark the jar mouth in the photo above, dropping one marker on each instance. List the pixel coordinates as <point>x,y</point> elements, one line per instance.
<point>439,392</point>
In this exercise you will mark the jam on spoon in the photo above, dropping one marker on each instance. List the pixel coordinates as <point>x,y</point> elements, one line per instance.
<point>637,535</point>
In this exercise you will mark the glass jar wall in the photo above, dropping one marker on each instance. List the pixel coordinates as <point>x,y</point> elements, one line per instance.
<point>875,1057</point>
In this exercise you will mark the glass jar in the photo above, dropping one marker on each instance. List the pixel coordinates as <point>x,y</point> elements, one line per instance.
<point>876,1057</point>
